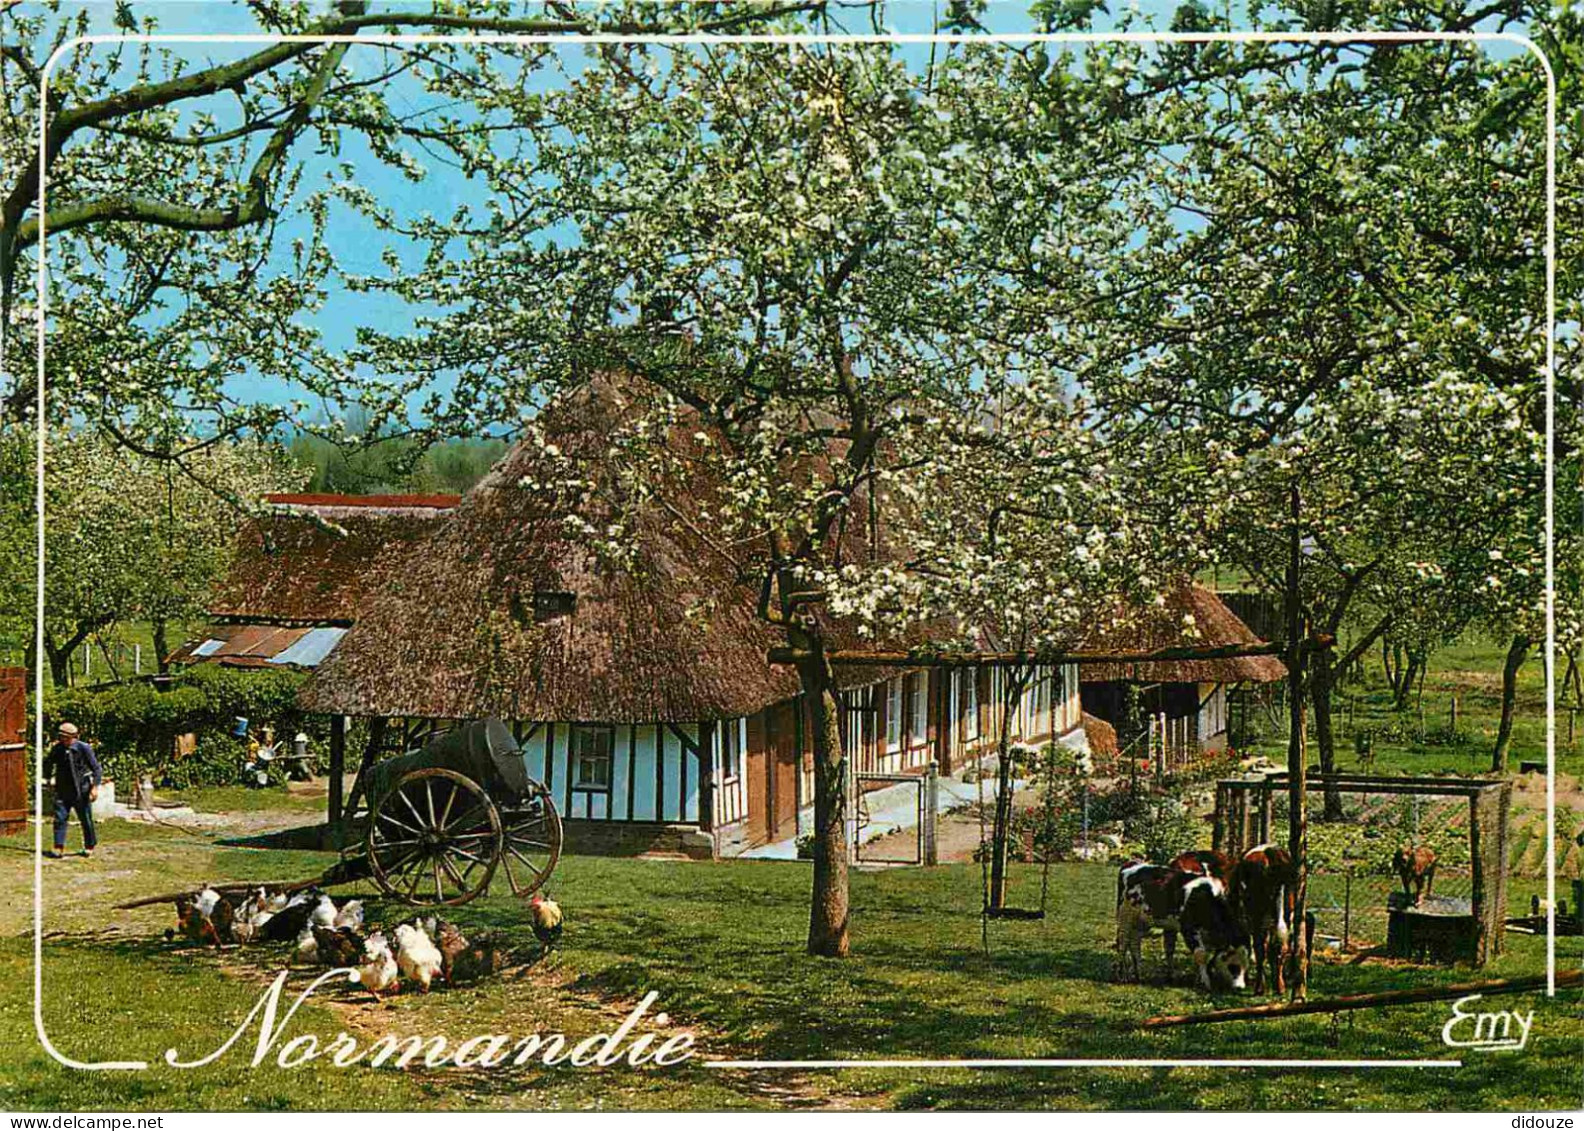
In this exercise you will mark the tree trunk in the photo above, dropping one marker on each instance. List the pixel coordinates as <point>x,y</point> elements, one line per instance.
<point>1517,653</point>
<point>1001,833</point>
<point>60,662</point>
<point>828,907</point>
<point>1320,684</point>
<point>1406,677</point>
<point>161,647</point>
<point>1297,766</point>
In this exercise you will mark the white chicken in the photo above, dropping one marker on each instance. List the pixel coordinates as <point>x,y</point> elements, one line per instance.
<point>417,956</point>
<point>307,945</point>
<point>208,899</point>
<point>378,972</point>
<point>324,912</point>
<point>350,915</point>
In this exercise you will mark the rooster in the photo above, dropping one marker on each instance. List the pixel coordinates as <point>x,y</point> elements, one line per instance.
<point>416,956</point>
<point>545,915</point>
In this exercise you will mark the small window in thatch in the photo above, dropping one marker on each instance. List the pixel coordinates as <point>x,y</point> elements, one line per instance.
<point>548,604</point>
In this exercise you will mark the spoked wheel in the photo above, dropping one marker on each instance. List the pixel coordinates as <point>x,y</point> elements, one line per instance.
<point>531,842</point>
<point>434,838</point>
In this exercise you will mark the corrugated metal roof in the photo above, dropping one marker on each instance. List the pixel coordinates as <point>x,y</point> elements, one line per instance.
<point>313,647</point>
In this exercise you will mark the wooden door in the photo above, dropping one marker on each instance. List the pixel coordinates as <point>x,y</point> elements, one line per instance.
<point>13,750</point>
<point>783,781</point>
<point>758,770</point>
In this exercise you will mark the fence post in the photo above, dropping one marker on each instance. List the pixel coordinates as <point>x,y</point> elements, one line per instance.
<point>931,788</point>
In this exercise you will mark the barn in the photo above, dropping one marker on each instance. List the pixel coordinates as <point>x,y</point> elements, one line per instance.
<point>1184,704</point>
<point>634,669</point>
<point>300,572</point>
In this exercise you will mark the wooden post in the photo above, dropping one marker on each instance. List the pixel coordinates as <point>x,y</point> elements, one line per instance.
<point>338,735</point>
<point>1297,761</point>
<point>931,852</point>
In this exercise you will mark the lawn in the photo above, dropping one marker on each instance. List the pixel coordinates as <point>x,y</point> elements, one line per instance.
<point>1419,739</point>
<point>721,944</point>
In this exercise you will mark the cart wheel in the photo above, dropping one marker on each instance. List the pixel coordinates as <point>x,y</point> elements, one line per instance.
<point>531,842</point>
<point>434,838</point>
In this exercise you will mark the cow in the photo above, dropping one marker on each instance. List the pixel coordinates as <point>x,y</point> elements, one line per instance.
<point>1206,862</point>
<point>1179,902</point>
<point>1264,894</point>
<point>1416,868</point>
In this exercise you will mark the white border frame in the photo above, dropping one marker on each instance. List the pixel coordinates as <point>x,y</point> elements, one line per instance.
<point>553,39</point>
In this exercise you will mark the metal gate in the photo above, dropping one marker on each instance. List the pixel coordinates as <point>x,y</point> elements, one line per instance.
<point>922,846</point>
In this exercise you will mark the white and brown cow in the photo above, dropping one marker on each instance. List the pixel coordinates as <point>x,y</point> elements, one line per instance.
<point>1178,902</point>
<point>1264,895</point>
<point>1207,862</point>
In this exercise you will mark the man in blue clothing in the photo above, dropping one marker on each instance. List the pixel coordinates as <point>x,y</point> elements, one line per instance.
<point>76,772</point>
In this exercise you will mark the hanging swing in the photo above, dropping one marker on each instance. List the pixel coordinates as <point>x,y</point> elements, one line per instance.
<point>986,910</point>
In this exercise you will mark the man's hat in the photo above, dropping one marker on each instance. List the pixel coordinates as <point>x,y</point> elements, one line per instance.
<point>69,730</point>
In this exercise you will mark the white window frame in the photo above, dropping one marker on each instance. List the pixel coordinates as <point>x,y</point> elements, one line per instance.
<point>893,736</point>
<point>731,741</point>
<point>918,709</point>
<point>971,708</point>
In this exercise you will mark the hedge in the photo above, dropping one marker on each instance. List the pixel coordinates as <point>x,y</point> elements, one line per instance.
<point>133,726</point>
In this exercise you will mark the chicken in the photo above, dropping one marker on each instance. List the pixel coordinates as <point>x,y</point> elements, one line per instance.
<point>208,899</point>
<point>193,917</point>
<point>450,941</point>
<point>339,946</point>
<point>416,956</point>
<point>189,922</point>
<point>545,915</point>
<point>324,912</point>
<point>278,902</point>
<point>307,945</point>
<point>350,915</point>
<point>480,957</point>
<point>223,919</point>
<point>288,923</point>
<point>379,971</point>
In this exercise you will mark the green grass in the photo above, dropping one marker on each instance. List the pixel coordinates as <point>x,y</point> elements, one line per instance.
<point>1418,739</point>
<point>722,944</point>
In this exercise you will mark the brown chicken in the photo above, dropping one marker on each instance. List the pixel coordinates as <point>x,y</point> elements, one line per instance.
<point>337,946</point>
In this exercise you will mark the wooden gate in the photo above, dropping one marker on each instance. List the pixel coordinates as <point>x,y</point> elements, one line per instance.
<point>13,750</point>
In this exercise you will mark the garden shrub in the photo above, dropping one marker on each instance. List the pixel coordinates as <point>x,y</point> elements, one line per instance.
<point>133,726</point>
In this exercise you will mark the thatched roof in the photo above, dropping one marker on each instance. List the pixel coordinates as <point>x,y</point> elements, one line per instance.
<point>1190,616</point>
<point>293,568</point>
<point>479,623</point>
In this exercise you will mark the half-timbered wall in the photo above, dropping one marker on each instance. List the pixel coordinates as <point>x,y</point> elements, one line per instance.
<point>729,748</point>
<point>649,772</point>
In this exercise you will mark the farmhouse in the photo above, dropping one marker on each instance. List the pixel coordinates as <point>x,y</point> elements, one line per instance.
<point>1183,703</point>
<point>633,667</point>
<point>300,573</point>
